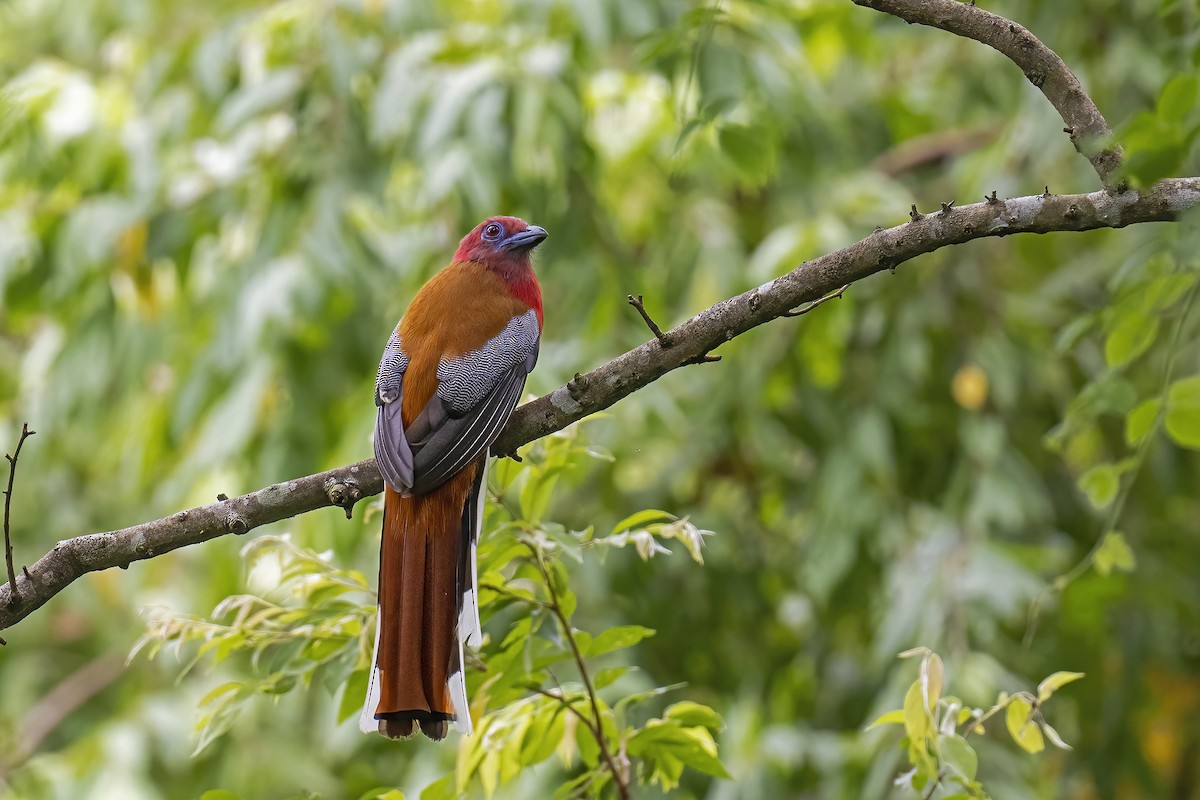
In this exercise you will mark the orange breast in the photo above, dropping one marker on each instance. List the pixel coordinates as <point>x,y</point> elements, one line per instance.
<point>455,312</point>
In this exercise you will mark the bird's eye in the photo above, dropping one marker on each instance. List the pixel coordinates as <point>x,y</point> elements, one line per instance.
<point>492,231</point>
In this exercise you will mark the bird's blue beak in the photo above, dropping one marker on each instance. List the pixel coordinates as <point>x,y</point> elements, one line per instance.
<point>527,239</point>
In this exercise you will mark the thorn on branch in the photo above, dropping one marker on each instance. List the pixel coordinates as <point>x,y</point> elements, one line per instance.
<point>577,386</point>
<point>663,340</point>
<point>915,215</point>
<point>991,199</point>
<point>15,599</point>
<point>1046,193</point>
<point>1069,131</point>
<point>947,207</point>
<point>807,307</point>
<point>222,497</point>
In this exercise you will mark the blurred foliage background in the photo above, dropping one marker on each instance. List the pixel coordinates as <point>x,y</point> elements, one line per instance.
<point>211,215</point>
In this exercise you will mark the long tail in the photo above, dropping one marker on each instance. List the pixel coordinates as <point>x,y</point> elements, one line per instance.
<point>427,609</point>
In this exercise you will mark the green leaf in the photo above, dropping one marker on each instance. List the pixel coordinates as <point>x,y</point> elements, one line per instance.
<point>666,741</point>
<point>931,680</point>
<point>1100,484</point>
<point>641,519</point>
<point>690,715</point>
<point>617,638</point>
<point>544,735</point>
<point>1055,682</point>
<point>589,750</point>
<point>441,789</point>
<point>918,724</point>
<point>1131,336</point>
<point>384,793</point>
<point>1177,98</point>
<point>353,694</point>
<point>609,675</point>
<point>489,771</point>
<point>1183,412</point>
<point>1140,421</point>
<point>958,755</point>
<point>890,718</point>
<point>1021,726</point>
<point>1114,553</point>
<point>1053,736</point>
<point>747,147</point>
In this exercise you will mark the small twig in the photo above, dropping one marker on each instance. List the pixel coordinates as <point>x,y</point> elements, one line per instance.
<point>974,723</point>
<point>500,590</point>
<point>636,302</point>
<point>567,704</point>
<point>807,307</point>
<point>15,598</point>
<point>619,777</point>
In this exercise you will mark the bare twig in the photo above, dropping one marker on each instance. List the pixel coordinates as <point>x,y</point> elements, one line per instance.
<point>1085,124</point>
<point>619,378</point>
<point>637,303</point>
<point>15,597</point>
<point>807,307</point>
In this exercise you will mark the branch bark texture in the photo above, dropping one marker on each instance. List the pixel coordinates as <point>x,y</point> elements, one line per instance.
<point>687,343</point>
<point>1042,66</point>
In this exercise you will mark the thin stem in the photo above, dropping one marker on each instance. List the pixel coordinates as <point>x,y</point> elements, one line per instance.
<point>567,705</point>
<point>1139,459</point>
<point>934,784</point>
<point>15,599</point>
<point>994,710</point>
<point>597,729</point>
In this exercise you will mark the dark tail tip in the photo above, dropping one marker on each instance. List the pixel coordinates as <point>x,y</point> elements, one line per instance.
<point>403,724</point>
<point>396,728</point>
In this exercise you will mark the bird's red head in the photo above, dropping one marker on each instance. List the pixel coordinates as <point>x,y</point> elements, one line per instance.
<point>504,245</point>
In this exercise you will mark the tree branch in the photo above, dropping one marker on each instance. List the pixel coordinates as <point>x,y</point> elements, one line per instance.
<point>1087,127</point>
<point>605,385</point>
<point>624,375</point>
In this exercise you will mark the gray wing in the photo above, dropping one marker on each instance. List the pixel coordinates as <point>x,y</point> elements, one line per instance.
<point>392,450</point>
<point>476,394</point>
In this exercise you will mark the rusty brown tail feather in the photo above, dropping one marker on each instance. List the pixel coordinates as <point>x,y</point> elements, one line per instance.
<point>419,585</point>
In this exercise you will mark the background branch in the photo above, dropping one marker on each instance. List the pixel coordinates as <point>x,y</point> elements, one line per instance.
<point>605,385</point>
<point>1042,66</point>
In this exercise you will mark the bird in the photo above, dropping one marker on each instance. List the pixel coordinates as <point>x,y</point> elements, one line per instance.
<point>451,374</point>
